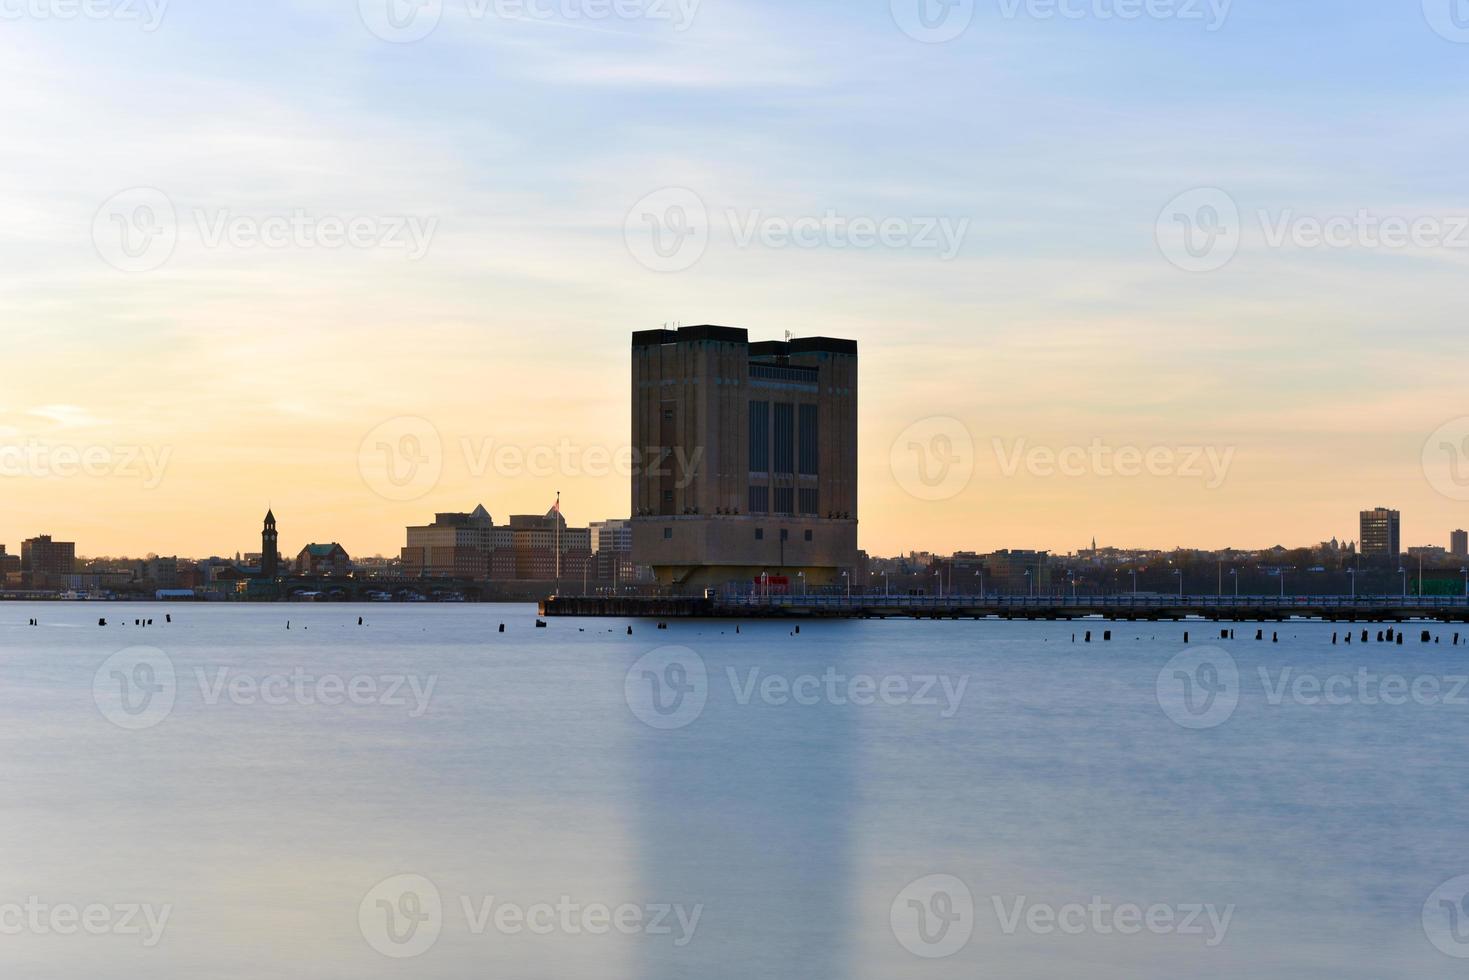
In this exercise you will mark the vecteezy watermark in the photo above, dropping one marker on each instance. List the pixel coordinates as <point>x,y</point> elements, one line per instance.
<point>138,230</point>
<point>1449,18</point>
<point>1363,687</point>
<point>135,688</point>
<point>138,688</point>
<point>933,917</point>
<point>403,917</point>
<point>937,21</point>
<point>933,459</point>
<point>406,21</point>
<point>1103,918</point>
<point>669,687</point>
<point>1201,230</point>
<point>147,14</point>
<point>131,919</point>
<point>670,229</point>
<point>43,460</point>
<point>1446,918</point>
<point>1446,459</point>
<point>402,459</point>
<point>933,21</point>
<point>571,459</point>
<point>1210,13</point>
<point>1209,464</point>
<point>1199,688</point>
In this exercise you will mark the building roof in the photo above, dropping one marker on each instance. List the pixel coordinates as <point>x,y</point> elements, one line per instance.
<point>323,550</point>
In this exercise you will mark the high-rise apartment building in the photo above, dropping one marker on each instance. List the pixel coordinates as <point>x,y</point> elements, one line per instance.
<point>41,555</point>
<point>1459,544</point>
<point>1381,534</point>
<point>747,457</point>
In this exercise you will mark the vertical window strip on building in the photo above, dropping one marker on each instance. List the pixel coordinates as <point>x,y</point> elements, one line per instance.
<point>808,443</point>
<point>785,437</point>
<point>759,437</point>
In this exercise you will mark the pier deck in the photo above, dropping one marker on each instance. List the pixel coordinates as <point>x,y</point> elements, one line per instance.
<point>1368,609</point>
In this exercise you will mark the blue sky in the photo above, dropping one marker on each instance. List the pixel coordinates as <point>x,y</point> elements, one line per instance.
<point>1056,141</point>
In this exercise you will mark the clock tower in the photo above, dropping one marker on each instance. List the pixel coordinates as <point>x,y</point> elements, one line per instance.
<point>269,553</point>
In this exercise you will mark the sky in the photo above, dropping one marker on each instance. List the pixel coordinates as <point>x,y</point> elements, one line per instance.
<point>1163,273</point>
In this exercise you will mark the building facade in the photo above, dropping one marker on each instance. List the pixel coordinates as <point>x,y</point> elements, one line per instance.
<point>453,546</point>
<point>471,546</point>
<point>1381,535</point>
<point>747,457</point>
<point>324,560</point>
<point>43,556</point>
<point>1459,544</point>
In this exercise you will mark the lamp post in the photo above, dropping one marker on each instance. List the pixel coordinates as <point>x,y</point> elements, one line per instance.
<point>1353,573</point>
<point>884,583</point>
<point>940,576</point>
<point>1404,573</point>
<point>801,577</point>
<point>1029,583</point>
<point>1234,573</point>
<point>849,585</point>
<point>1465,570</point>
<point>1179,573</point>
<point>1282,584</point>
<point>980,575</point>
<point>1134,583</point>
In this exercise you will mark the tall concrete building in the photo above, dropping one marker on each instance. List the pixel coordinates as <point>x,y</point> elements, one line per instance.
<point>747,458</point>
<point>1459,544</point>
<point>1381,535</point>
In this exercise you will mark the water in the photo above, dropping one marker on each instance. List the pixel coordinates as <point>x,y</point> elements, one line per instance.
<point>519,778</point>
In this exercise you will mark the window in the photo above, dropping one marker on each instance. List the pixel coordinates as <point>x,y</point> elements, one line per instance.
<point>808,440</point>
<point>785,437</point>
<point>759,534</point>
<point>808,535</point>
<point>759,500</point>
<point>668,496</point>
<point>759,437</point>
<point>785,500</point>
<point>785,534</point>
<point>668,415</point>
<point>668,534</point>
<point>808,500</point>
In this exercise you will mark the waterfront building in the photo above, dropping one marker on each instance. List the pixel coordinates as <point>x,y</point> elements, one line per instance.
<point>324,560</point>
<point>472,546</point>
<point>1458,544</point>
<point>747,458</point>
<point>42,556</point>
<point>1381,535</point>
<point>455,545</point>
